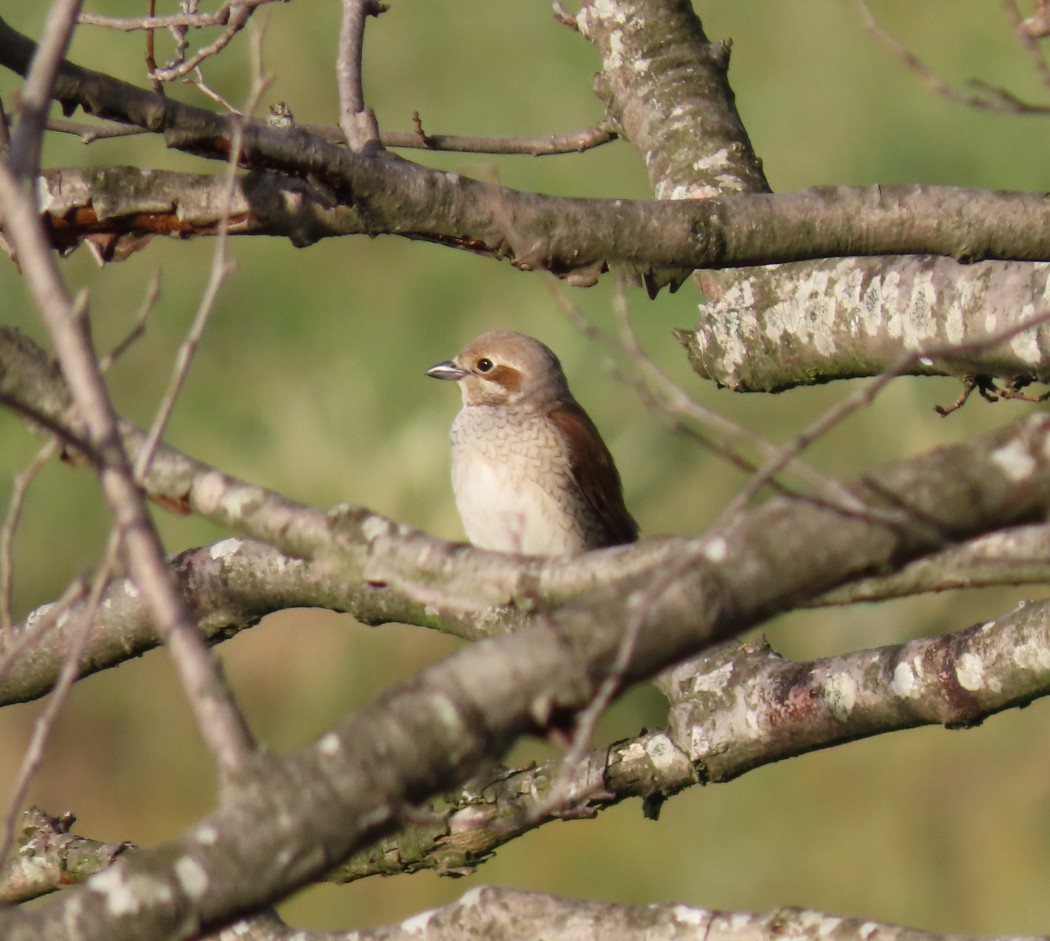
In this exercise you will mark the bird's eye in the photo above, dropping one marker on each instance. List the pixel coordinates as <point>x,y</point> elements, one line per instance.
<point>485,364</point>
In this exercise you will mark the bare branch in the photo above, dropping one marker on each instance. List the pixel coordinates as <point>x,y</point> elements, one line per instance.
<point>995,99</point>
<point>772,328</point>
<point>358,122</point>
<point>45,723</point>
<point>233,15</point>
<point>220,723</point>
<point>1015,556</point>
<point>10,527</point>
<point>37,93</point>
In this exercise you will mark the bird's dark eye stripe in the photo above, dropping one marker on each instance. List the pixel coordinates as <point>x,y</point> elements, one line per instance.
<point>484,364</point>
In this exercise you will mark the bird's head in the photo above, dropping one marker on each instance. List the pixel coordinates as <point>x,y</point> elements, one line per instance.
<point>505,368</point>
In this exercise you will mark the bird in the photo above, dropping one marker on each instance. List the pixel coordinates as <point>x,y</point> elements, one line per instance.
<point>530,472</point>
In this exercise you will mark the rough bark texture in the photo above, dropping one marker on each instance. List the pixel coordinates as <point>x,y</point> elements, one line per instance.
<point>792,324</point>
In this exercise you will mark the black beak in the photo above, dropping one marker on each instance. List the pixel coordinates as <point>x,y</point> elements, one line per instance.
<point>446,370</point>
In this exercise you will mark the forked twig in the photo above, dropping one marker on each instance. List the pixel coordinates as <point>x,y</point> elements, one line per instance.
<point>994,99</point>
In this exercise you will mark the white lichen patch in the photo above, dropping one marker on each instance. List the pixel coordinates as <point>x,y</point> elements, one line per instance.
<point>125,895</point>
<point>1031,655</point>
<point>716,549</point>
<point>969,295</point>
<point>420,924</point>
<point>739,922</point>
<point>206,835</point>
<point>710,162</point>
<point>225,550</point>
<point>921,323</point>
<point>472,899</point>
<point>1014,461</point>
<point>209,490</point>
<point>615,58</point>
<point>661,752</point>
<point>374,527</point>
<point>671,189</point>
<point>905,679</point>
<point>445,711</point>
<point>890,289</point>
<point>242,499</point>
<point>820,303</point>
<point>731,325</point>
<point>192,877</point>
<point>37,613</point>
<point>969,671</point>
<point>1025,346</point>
<point>818,923</point>
<point>687,915</point>
<point>840,695</point>
<point>714,681</point>
<point>329,744</point>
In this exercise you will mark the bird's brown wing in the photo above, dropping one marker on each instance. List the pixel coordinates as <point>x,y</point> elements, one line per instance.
<point>595,474</point>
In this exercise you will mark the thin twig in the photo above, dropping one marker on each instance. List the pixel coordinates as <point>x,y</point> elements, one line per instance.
<point>64,433</point>
<point>860,399</point>
<point>36,93</point>
<point>15,505</point>
<point>1028,42</point>
<point>45,723</point>
<point>675,403</point>
<point>233,15</point>
<point>657,406</point>
<point>571,142</point>
<point>30,633</point>
<point>1000,100</point>
<point>209,92</point>
<point>561,793</point>
<point>5,133</point>
<point>138,325</point>
<point>221,267</point>
<point>184,20</point>
<point>151,57</point>
<point>358,122</point>
<point>829,488</point>
<point>220,722</point>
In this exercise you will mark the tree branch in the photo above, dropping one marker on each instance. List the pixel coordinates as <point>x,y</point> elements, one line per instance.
<point>780,326</point>
<point>357,121</point>
<point>574,238</point>
<point>439,729</point>
<point>220,722</point>
<point>36,96</point>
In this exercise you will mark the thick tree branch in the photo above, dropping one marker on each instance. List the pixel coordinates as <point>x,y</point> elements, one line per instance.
<point>391,567</point>
<point>737,707</point>
<point>576,238</point>
<point>678,111</point>
<point>571,237</point>
<point>333,798</point>
<point>780,326</point>
<point>501,914</point>
<point>1016,556</point>
<point>228,587</point>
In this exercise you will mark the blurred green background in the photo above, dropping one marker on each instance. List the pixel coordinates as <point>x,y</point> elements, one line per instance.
<point>310,381</point>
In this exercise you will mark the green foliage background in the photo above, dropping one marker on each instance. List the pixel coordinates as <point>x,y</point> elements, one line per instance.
<point>310,381</point>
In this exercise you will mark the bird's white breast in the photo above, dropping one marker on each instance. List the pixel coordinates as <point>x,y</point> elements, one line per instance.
<point>511,481</point>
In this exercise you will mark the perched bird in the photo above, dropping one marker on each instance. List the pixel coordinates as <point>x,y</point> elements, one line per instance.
<point>530,472</point>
